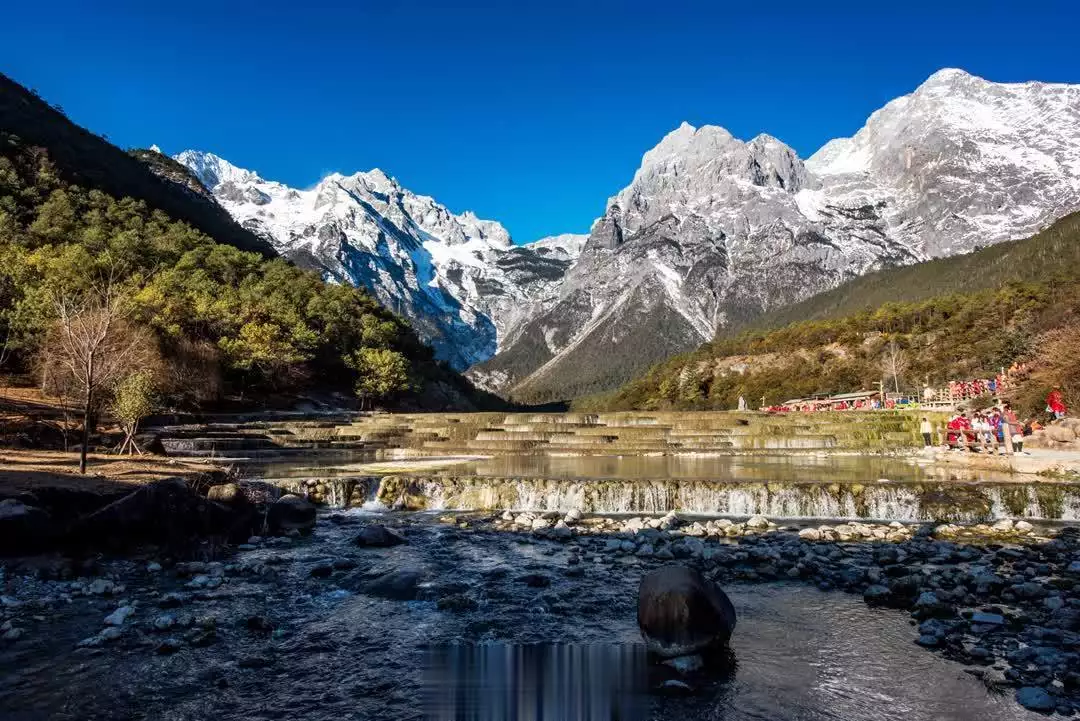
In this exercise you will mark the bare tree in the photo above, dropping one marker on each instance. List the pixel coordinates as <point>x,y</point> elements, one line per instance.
<point>894,363</point>
<point>91,346</point>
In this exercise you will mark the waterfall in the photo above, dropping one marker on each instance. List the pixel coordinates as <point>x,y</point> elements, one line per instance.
<point>901,501</point>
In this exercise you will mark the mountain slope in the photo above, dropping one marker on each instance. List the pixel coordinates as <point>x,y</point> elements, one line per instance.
<point>459,280</point>
<point>953,318</point>
<point>91,161</point>
<point>1050,255</point>
<point>713,231</point>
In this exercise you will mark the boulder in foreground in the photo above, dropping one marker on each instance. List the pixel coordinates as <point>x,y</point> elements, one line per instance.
<point>291,513</point>
<point>680,612</point>
<point>379,536</point>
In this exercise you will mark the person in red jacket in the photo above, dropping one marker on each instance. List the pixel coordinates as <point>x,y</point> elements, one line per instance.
<point>955,435</point>
<point>1055,403</point>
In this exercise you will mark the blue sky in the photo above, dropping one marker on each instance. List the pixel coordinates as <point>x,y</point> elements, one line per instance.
<point>532,114</point>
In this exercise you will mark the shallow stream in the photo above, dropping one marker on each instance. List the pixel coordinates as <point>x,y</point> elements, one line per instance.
<point>360,644</point>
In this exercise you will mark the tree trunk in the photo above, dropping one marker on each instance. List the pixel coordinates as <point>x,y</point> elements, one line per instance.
<point>86,429</point>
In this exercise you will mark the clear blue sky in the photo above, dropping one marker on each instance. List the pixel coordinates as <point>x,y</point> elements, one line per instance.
<point>532,114</point>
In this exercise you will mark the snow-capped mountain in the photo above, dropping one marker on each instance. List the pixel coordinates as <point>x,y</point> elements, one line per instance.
<point>713,230</point>
<point>459,279</point>
<point>960,163</point>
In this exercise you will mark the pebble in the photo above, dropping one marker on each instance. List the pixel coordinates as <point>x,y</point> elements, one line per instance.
<point>164,622</point>
<point>988,619</point>
<point>561,531</point>
<point>117,617</point>
<point>168,646</point>
<point>101,587</point>
<point>757,522</point>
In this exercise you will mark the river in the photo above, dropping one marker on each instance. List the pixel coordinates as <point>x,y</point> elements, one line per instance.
<point>505,625</point>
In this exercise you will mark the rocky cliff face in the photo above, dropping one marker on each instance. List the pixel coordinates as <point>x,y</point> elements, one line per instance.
<point>711,230</point>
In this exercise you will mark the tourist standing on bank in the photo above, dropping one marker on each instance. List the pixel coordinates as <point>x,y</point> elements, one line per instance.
<point>1013,427</point>
<point>927,431</point>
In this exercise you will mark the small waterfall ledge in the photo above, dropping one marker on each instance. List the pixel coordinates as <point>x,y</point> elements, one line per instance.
<point>949,501</point>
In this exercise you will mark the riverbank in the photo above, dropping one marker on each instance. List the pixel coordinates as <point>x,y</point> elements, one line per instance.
<point>1047,463</point>
<point>326,628</point>
<point>24,471</point>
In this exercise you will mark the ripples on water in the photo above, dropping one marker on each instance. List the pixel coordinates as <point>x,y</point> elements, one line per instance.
<point>342,652</point>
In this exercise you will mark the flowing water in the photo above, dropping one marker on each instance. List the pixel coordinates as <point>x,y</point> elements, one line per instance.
<point>463,625</point>
<point>362,644</point>
<point>791,487</point>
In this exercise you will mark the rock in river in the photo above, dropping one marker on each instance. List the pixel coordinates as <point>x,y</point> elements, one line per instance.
<point>379,536</point>
<point>291,513</point>
<point>23,528</point>
<point>397,585</point>
<point>1035,698</point>
<point>680,612</point>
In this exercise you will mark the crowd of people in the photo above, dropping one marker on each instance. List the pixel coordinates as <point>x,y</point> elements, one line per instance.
<point>859,404</point>
<point>986,430</point>
<point>963,390</point>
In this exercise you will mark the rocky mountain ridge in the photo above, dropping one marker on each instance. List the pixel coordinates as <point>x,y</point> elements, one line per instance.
<point>459,279</point>
<point>711,231</point>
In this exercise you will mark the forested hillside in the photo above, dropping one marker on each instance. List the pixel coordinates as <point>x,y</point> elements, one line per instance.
<point>954,318</point>
<point>204,319</point>
<point>82,158</point>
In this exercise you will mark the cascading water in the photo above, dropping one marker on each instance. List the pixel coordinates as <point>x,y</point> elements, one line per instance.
<point>892,500</point>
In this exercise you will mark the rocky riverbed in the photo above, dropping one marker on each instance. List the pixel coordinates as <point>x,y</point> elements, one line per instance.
<point>348,622</point>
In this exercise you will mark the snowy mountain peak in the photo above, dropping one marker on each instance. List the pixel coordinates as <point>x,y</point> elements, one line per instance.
<point>212,170</point>
<point>567,246</point>
<point>949,76</point>
<point>459,278</point>
<point>713,230</point>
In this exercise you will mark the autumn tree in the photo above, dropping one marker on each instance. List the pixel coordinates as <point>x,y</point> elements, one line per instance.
<point>1057,363</point>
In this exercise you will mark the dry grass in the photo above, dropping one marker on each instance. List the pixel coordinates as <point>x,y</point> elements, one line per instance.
<point>24,470</point>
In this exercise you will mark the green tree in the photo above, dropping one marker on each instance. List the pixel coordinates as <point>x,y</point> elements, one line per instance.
<point>383,373</point>
<point>134,398</point>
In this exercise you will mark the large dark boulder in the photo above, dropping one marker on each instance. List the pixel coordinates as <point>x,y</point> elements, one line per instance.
<point>398,585</point>
<point>24,528</point>
<point>168,511</point>
<point>379,536</point>
<point>291,513</point>
<point>680,612</point>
